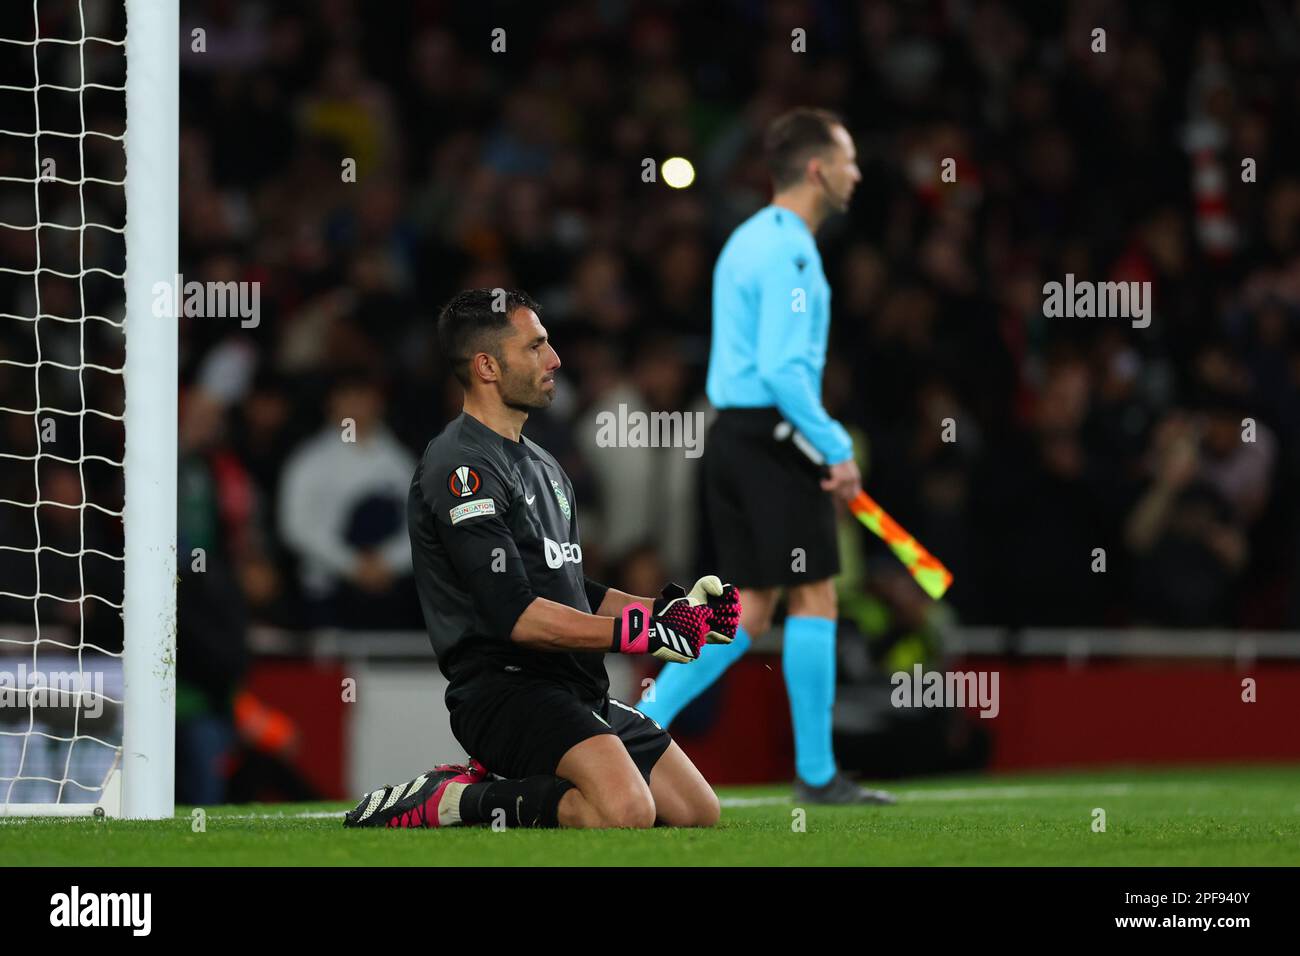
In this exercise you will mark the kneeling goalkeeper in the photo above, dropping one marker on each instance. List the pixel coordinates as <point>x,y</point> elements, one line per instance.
<point>519,631</point>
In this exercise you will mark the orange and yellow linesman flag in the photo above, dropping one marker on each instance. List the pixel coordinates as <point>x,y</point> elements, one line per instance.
<point>933,577</point>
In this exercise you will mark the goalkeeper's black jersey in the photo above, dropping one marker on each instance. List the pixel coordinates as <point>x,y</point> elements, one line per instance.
<point>493,526</point>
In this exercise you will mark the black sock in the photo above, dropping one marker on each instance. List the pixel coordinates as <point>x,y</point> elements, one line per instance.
<point>530,802</point>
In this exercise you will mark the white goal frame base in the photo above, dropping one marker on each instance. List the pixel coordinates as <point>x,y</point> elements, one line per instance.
<point>109,803</point>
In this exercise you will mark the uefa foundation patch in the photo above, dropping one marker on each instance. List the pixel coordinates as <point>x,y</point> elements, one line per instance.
<point>472,509</point>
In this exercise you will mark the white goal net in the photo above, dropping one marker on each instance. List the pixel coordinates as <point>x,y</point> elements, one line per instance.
<point>68,631</point>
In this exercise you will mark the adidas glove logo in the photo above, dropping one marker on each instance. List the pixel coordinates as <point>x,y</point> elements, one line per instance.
<point>672,639</point>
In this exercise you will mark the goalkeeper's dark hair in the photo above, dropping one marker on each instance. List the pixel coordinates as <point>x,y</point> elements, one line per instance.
<point>793,137</point>
<point>476,320</point>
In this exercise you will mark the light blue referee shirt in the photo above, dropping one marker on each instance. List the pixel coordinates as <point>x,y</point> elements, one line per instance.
<point>771,323</point>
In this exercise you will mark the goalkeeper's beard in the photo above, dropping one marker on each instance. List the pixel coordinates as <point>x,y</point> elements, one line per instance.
<point>524,395</point>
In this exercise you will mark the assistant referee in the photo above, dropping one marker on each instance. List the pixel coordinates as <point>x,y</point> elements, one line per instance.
<point>772,517</point>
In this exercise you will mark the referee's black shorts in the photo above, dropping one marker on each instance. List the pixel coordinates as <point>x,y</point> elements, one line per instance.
<point>772,524</point>
<point>520,725</point>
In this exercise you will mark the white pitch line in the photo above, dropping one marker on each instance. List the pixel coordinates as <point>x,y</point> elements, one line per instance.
<point>1023,792</point>
<point>1027,792</point>
<point>944,796</point>
<point>302,815</point>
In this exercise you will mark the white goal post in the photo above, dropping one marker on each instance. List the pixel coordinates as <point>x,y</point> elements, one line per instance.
<point>138,771</point>
<point>152,230</point>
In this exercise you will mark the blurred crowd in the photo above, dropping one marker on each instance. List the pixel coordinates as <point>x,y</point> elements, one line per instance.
<point>1100,473</point>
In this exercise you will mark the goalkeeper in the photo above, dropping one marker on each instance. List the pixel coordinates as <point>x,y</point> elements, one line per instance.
<point>520,633</point>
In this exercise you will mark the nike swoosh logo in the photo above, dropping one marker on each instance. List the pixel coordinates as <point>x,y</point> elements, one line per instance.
<point>530,500</point>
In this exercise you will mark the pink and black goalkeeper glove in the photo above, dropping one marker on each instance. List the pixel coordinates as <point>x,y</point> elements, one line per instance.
<point>723,602</point>
<point>673,631</point>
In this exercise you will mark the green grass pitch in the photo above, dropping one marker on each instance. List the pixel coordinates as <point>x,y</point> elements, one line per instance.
<point>1205,817</point>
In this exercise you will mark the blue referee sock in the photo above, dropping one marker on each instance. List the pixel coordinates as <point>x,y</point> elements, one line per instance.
<point>679,684</point>
<point>808,661</point>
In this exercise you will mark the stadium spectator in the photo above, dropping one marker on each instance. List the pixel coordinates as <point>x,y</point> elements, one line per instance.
<point>342,511</point>
<point>647,492</point>
<point>1189,542</point>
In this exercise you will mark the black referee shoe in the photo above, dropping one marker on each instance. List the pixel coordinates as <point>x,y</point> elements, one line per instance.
<point>840,790</point>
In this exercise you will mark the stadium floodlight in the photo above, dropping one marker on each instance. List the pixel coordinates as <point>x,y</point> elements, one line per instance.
<point>43,763</point>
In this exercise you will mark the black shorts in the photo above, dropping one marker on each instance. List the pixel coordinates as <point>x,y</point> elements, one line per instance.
<point>765,501</point>
<point>520,725</point>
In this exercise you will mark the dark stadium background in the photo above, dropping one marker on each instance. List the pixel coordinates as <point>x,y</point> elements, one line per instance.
<point>523,169</point>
